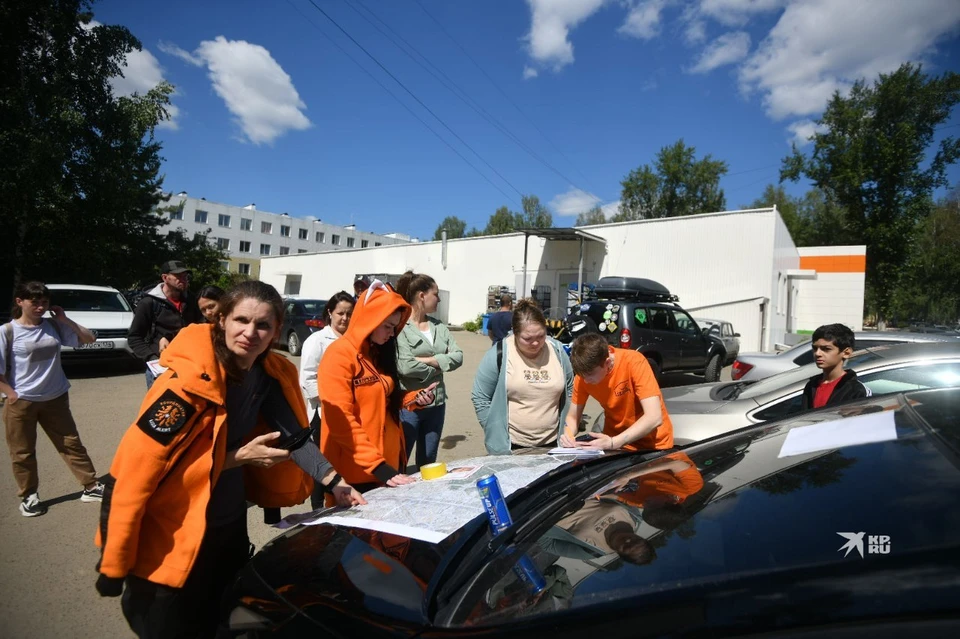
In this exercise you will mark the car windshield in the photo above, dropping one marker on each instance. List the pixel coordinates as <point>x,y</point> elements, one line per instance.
<point>313,307</point>
<point>87,300</point>
<point>681,520</point>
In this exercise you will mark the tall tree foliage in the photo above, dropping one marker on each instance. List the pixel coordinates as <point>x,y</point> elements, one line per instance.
<point>535,215</point>
<point>677,184</point>
<point>503,221</point>
<point>874,160</point>
<point>79,167</point>
<point>813,220</point>
<point>593,216</point>
<point>454,226</point>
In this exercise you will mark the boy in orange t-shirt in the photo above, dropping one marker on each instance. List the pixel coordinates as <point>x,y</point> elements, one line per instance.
<point>635,417</point>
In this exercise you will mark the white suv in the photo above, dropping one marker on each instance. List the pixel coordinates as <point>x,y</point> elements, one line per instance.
<point>103,310</point>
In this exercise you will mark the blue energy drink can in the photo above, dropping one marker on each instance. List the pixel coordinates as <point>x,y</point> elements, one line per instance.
<point>499,516</point>
<point>494,503</point>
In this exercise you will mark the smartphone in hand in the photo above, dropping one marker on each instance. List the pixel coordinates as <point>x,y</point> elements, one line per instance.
<point>295,441</point>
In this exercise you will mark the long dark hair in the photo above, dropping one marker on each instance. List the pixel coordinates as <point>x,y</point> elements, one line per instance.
<point>410,283</point>
<point>250,289</point>
<point>333,302</point>
<point>385,356</point>
<point>32,290</point>
<point>211,293</point>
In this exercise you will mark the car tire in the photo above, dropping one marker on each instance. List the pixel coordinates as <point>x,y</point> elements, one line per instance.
<point>655,367</point>
<point>293,343</point>
<point>712,372</point>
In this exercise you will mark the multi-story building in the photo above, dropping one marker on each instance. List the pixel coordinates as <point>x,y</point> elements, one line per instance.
<point>247,234</point>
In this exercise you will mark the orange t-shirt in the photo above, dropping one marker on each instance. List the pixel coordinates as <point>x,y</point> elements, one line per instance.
<point>620,392</point>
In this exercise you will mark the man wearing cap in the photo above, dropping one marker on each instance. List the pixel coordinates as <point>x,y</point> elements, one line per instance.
<point>162,312</point>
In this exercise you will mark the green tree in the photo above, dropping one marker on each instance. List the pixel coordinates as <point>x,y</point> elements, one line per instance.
<point>874,161</point>
<point>455,227</point>
<point>593,216</point>
<point>677,184</point>
<point>79,167</point>
<point>503,221</point>
<point>535,215</point>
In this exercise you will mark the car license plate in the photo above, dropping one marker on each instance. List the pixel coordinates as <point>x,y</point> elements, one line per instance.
<point>97,346</point>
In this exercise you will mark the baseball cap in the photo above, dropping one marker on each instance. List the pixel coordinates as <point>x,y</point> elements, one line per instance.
<point>173,266</point>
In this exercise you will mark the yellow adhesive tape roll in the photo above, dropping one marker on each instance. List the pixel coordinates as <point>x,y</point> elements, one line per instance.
<point>433,471</point>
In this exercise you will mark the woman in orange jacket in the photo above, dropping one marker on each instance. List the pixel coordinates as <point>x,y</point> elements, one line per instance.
<point>361,397</point>
<point>173,524</point>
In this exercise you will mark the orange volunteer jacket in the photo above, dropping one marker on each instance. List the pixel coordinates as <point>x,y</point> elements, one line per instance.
<point>359,434</point>
<point>153,515</point>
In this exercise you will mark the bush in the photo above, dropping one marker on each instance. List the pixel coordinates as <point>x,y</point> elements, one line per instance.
<point>474,326</point>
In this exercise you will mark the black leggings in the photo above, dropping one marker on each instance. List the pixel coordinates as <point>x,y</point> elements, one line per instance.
<point>155,611</point>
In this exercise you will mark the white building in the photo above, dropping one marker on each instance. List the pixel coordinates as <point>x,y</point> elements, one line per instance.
<point>739,266</point>
<point>248,234</point>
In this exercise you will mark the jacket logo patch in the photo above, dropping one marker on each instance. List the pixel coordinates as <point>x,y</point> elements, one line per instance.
<point>622,389</point>
<point>366,381</point>
<point>166,417</point>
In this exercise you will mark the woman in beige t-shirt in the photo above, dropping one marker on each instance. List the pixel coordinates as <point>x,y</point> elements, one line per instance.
<point>522,390</point>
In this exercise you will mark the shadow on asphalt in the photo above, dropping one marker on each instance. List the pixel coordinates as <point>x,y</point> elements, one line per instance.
<point>106,367</point>
<point>450,441</point>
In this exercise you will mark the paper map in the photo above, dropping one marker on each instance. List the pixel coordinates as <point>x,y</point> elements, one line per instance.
<point>433,510</point>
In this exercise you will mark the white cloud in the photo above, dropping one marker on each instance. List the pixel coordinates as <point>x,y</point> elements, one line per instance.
<point>695,31</point>
<point>737,12</point>
<point>171,49</point>
<point>551,23</point>
<point>573,202</point>
<point>643,19</point>
<point>727,49</point>
<point>254,87</point>
<point>610,209</point>
<point>529,72</point>
<point>140,73</point>
<point>820,46</point>
<point>803,130</point>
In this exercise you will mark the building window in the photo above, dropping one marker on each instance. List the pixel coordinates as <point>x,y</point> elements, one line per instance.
<point>350,241</point>
<point>266,227</point>
<point>225,266</point>
<point>200,217</point>
<point>284,250</point>
<point>223,220</point>
<point>320,237</point>
<point>246,224</point>
<point>301,234</point>
<point>284,231</point>
<point>301,251</point>
<point>364,243</point>
<point>223,244</point>
<point>244,247</point>
<point>177,214</point>
<point>243,269</point>
<point>264,249</point>
<point>335,240</point>
<point>377,244</point>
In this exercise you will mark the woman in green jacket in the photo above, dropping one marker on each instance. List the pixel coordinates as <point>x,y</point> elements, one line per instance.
<point>425,351</point>
<point>521,393</point>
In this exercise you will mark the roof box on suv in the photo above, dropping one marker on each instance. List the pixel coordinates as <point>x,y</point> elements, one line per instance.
<point>632,288</point>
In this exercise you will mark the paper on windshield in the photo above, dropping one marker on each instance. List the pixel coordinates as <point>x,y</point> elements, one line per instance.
<point>433,510</point>
<point>852,431</point>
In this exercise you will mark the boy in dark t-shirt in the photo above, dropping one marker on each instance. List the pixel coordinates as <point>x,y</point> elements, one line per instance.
<point>832,346</point>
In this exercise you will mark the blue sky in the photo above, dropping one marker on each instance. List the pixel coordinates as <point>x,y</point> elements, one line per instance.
<point>269,110</point>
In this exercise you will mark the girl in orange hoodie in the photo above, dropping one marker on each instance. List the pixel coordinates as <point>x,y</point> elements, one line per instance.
<point>361,397</point>
<point>173,523</point>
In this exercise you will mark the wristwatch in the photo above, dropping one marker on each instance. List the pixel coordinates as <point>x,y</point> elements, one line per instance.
<point>328,488</point>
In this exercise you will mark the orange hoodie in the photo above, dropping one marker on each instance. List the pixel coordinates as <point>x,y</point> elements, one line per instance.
<point>359,434</point>
<point>153,515</point>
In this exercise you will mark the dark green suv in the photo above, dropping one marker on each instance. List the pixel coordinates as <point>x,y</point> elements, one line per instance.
<point>641,314</point>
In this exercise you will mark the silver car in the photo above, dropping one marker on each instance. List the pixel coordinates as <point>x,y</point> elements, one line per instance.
<point>750,367</point>
<point>705,410</point>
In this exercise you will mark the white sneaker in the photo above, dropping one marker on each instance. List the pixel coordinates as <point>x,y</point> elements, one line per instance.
<point>31,506</point>
<point>93,494</point>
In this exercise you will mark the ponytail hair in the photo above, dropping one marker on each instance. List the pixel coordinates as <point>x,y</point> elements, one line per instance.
<point>410,284</point>
<point>526,311</point>
<point>32,290</point>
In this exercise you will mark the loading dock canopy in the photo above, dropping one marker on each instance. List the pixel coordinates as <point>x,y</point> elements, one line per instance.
<point>559,235</point>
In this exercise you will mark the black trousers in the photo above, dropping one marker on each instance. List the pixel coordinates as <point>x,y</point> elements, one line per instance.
<point>155,611</point>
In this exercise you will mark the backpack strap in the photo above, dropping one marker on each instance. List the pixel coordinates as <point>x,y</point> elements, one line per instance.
<point>499,354</point>
<point>8,356</point>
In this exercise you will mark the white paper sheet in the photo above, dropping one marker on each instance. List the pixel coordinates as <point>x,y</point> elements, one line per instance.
<point>156,368</point>
<point>578,452</point>
<point>852,431</point>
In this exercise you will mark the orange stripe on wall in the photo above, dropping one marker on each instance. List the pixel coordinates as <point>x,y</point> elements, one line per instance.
<point>835,263</point>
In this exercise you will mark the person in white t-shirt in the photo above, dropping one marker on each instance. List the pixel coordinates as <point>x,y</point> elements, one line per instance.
<point>37,392</point>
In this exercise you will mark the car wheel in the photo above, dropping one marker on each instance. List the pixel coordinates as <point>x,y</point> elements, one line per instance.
<point>712,372</point>
<point>655,367</point>
<point>293,343</point>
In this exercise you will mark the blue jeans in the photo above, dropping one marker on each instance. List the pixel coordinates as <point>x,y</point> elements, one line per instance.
<point>150,378</point>
<point>423,427</point>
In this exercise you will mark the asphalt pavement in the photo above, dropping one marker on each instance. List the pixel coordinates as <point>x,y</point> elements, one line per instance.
<point>47,563</point>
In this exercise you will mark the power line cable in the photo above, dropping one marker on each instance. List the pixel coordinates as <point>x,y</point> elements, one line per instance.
<point>504,94</point>
<point>414,96</point>
<point>453,87</point>
<point>402,103</point>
